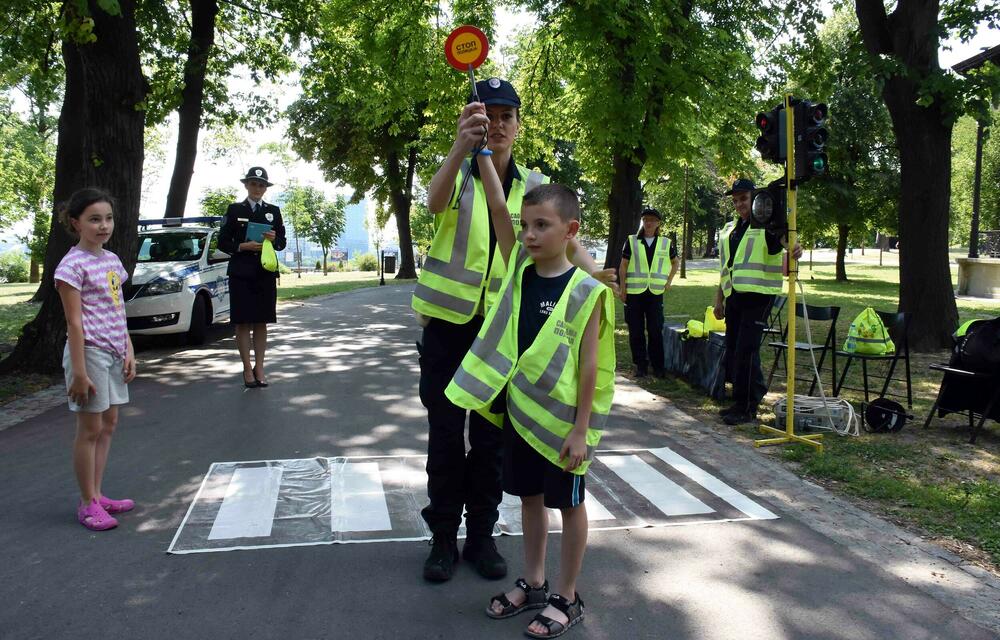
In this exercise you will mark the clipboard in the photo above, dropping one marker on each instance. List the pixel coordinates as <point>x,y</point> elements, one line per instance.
<point>256,230</point>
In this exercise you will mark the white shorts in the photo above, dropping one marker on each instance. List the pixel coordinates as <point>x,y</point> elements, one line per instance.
<point>106,371</point>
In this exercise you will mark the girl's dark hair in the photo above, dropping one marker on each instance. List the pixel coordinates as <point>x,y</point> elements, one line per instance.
<point>78,202</point>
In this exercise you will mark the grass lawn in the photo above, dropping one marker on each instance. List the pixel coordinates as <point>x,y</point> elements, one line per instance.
<point>931,481</point>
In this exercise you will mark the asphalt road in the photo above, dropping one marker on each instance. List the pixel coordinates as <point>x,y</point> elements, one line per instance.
<point>344,382</point>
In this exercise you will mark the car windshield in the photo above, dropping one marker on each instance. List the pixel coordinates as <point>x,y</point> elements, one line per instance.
<point>171,247</point>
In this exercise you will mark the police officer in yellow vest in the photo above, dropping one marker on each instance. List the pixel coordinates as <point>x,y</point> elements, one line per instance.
<point>649,263</point>
<point>460,280</point>
<point>750,276</point>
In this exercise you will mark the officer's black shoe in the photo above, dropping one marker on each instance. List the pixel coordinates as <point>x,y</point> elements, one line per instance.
<point>482,552</point>
<point>739,417</point>
<point>733,409</point>
<point>440,564</point>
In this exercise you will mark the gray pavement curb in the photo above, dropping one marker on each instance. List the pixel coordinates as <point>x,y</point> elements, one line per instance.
<point>966,589</point>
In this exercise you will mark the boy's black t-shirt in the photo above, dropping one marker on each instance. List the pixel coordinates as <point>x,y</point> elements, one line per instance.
<point>538,298</point>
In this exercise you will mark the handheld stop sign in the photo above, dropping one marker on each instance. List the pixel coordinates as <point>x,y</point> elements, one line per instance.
<point>466,49</point>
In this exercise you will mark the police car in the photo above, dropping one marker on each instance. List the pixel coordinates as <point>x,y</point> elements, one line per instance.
<point>180,284</point>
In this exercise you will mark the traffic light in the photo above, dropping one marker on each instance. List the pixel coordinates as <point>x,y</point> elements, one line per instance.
<point>771,143</point>
<point>810,140</point>
<point>768,207</point>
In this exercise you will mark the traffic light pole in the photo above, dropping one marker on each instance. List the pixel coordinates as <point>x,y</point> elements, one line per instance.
<point>789,436</point>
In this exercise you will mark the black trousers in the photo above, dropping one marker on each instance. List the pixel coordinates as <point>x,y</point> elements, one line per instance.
<point>456,479</point>
<point>644,316</point>
<point>746,319</point>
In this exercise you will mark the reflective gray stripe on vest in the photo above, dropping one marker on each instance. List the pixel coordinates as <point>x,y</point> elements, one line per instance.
<point>546,383</point>
<point>872,340</point>
<point>495,284</point>
<point>578,297</point>
<point>472,385</point>
<point>774,284</point>
<point>550,439</point>
<point>444,300</point>
<point>487,348</point>
<point>636,265</point>
<point>455,269</point>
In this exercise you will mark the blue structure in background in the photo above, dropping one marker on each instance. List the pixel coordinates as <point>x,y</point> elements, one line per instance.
<point>354,240</point>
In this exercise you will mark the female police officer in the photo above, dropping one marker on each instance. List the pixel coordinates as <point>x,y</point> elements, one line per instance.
<point>252,289</point>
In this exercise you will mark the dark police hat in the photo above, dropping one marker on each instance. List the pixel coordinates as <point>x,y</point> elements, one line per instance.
<point>497,91</point>
<point>742,184</point>
<point>650,211</point>
<point>257,173</point>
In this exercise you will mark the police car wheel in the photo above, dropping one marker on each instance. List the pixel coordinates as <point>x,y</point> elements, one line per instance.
<point>199,321</point>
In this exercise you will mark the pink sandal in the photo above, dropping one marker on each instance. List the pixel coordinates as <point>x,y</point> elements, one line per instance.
<point>116,506</point>
<point>94,517</point>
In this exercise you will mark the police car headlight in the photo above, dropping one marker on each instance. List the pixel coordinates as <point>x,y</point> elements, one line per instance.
<point>161,288</point>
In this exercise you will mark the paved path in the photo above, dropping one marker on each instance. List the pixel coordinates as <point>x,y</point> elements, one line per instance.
<point>344,377</point>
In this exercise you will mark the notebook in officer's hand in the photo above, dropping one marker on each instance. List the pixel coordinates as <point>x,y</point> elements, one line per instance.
<point>256,230</point>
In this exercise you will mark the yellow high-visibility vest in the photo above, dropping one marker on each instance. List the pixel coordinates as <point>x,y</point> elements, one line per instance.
<point>453,276</point>
<point>542,383</point>
<point>754,269</point>
<point>642,275</point>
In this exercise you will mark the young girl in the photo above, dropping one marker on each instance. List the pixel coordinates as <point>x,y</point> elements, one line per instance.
<point>98,358</point>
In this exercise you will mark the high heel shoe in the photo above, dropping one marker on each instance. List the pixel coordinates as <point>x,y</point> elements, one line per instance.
<point>251,385</point>
<point>260,382</point>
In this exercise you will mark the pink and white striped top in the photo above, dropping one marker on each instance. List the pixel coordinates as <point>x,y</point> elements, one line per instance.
<point>99,279</point>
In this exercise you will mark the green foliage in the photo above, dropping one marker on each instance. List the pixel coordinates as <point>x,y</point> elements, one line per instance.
<point>366,262</point>
<point>13,267</point>
<point>963,167</point>
<point>314,216</point>
<point>215,201</point>
<point>319,265</point>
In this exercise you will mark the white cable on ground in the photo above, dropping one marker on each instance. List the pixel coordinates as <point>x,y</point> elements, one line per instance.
<point>811,403</point>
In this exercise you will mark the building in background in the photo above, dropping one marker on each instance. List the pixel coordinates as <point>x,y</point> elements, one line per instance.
<point>352,243</point>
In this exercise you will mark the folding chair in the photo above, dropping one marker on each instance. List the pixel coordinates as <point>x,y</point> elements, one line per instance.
<point>775,327</point>
<point>898,325</point>
<point>816,314</point>
<point>990,384</point>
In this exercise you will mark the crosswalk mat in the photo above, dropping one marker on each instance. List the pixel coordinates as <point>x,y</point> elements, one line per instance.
<point>310,501</point>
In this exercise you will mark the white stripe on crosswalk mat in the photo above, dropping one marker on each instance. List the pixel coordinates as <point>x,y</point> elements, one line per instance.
<point>247,509</point>
<point>665,494</point>
<point>713,484</point>
<point>283,503</point>
<point>357,498</point>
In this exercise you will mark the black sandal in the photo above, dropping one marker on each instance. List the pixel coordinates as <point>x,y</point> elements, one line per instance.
<point>572,610</point>
<point>535,598</point>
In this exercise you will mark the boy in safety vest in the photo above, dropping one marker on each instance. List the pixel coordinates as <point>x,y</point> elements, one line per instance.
<point>546,350</point>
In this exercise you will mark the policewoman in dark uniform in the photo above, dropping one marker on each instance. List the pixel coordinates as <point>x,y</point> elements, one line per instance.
<point>253,290</point>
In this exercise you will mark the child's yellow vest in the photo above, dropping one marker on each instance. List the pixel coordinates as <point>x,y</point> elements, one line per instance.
<point>542,384</point>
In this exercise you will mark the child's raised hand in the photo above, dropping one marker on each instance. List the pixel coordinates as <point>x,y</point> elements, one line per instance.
<point>128,369</point>
<point>472,126</point>
<point>80,390</point>
<point>574,449</point>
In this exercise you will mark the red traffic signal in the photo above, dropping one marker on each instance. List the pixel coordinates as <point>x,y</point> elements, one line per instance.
<point>771,142</point>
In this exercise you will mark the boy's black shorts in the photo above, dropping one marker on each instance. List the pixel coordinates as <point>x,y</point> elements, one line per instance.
<point>527,473</point>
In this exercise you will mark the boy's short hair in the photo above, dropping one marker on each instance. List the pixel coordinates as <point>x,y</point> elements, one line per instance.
<point>563,199</point>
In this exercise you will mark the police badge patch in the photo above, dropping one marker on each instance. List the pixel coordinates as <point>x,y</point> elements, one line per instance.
<point>494,83</point>
<point>258,173</point>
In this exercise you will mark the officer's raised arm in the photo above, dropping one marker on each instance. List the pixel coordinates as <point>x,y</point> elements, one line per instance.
<point>472,125</point>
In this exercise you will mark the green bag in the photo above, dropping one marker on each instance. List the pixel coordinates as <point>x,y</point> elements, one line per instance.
<point>268,257</point>
<point>695,329</point>
<point>868,336</point>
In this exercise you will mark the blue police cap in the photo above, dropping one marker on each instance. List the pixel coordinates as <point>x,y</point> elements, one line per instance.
<point>497,91</point>
<point>742,184</point>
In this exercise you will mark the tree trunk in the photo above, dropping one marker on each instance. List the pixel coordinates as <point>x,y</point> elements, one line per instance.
<point>842,231</point>
<point>923,136</point>
<point>624,206</point>
<point>203,13</point>
<point>100,144</point>
<point>402,196</point>
<point>33,273</point>
<point>324,260</point>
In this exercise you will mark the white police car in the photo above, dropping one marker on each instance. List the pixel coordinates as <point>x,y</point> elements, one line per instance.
<point>180,283</point>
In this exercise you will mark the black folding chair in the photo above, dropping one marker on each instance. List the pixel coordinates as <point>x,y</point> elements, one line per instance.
<point>898,325</point>
<point>775,327</point>
<point>819,315</point>
<point>989,383</point>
